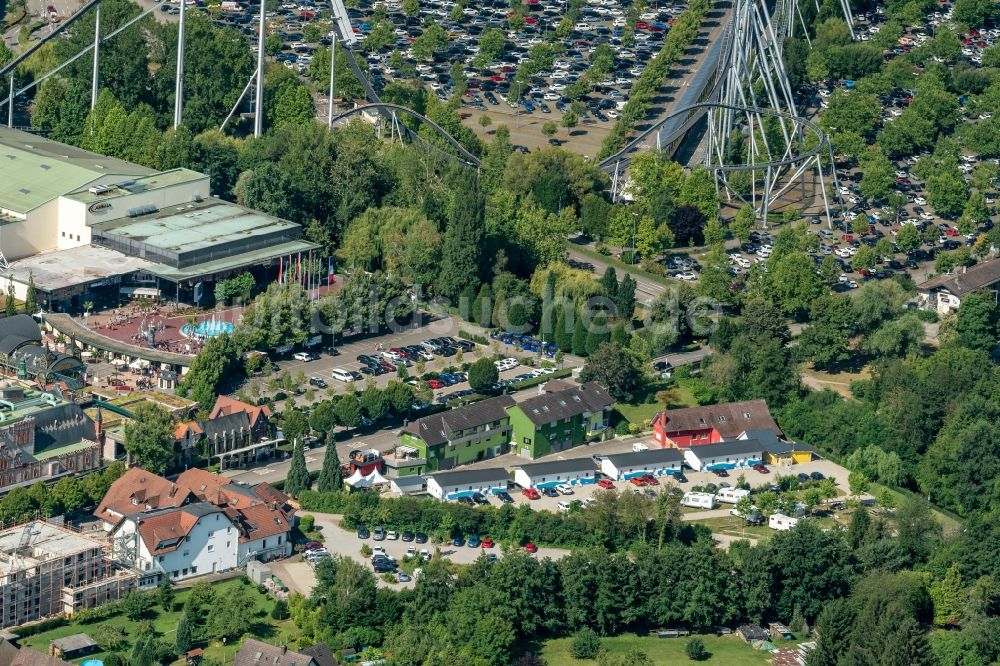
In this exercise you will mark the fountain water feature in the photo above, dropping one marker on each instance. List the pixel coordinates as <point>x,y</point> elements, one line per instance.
<point>210,328</point>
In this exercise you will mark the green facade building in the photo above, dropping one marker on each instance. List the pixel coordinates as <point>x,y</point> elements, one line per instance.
<point>467,434</point>
<point>557,420</point>
<point>565,414</point>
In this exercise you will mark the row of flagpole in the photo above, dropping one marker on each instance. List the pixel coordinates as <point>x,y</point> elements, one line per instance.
<point>310,278</point>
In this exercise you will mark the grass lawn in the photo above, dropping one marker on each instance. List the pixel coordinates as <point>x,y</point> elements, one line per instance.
<point>646,406</point>
<point>725,650</point>
<point>165,625</point>
<point>732,526</point>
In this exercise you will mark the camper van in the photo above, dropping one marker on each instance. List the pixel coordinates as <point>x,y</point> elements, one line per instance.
<point>732,495</point>
<point>781,522</point>
<point>698,500</point>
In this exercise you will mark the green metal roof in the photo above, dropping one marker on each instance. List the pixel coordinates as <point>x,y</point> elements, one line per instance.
<point>35,170</point>
<point>189,227</point>
<point>231,263</point>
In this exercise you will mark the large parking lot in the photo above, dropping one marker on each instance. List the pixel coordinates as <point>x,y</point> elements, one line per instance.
<point>522,66</point>
<point>358,357</point>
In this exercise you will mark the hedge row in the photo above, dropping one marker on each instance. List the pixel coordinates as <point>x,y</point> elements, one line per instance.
<point>478,339</point>
<point>682,33</point>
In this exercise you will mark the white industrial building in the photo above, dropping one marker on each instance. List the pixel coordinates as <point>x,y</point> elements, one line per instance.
<point>658,462</point>
<point>83,226</point>
<point>578,471</point>
<point>736,454</point>
<point>466,482</point>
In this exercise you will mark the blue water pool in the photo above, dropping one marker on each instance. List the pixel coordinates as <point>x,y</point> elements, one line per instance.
<point>207,329</point>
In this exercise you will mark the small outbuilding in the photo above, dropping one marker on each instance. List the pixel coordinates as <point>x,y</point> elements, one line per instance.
<point>258,572</point>
<point>577,471</point>
<point>752,632</point>
<point>73,647</point>
<point>467,482</point>
<point>735,454</point>
<point>658,462</point>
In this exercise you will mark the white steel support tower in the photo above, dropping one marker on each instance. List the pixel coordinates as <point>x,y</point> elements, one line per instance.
<point>179,83</point>
<point>755,128</point>
<point>97,49</point>
<point>333,77</point>
<point>258,110</point>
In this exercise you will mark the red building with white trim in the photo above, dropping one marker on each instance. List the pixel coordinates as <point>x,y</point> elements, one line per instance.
<point>711,424</point>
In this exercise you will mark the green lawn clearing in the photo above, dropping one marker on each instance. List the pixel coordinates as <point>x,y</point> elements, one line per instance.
<point>165,626</point>
<point>724,650</point>
<point>646,406</point>
<point>733,526</point>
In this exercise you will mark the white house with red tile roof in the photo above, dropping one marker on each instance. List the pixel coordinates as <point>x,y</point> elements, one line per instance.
<point>199,524</point>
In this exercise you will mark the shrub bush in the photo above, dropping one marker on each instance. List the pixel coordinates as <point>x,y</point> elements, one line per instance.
<point>695,650</point>
<point>586,644</point>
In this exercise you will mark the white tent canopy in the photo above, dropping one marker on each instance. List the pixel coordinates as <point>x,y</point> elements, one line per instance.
<point>357,480</point>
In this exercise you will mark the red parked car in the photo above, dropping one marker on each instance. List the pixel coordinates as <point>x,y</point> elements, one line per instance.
<point>487,543</point>
<point>761,469</point>
<point>606,484</point>
<point>531,548</point>
<point>435,383</point>
<point>641,25</point>
<point>531,493</point>
<point>638,481</point>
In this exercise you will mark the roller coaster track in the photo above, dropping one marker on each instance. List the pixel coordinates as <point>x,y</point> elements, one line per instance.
<point>465,156</point>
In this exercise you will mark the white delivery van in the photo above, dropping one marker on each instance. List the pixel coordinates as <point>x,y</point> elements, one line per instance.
<point>698,500</point>
<point>637,447</point>
<point>781,522</point>
<point>341,374</point>
<point>732,495</point>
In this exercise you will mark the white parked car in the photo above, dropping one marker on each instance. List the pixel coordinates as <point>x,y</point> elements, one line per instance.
<point>563,506</point>
<point>687,276</point>
<point>305,357</point>
<point>564,489</point>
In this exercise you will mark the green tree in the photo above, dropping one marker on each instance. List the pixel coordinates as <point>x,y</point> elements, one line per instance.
<point>10,307</point>
<point>624,297</point>
<point>374,403</point>
<point>948,595</point>
<point>329,476</point>
<point>135,605</point>
<point>878,174</point>
<point>296,427</point>
<point>461,250</point>
<point>348,411</point>
<point>297,479</point>
<point>229,619</point>
<point>977,321</point>
<point>183,639</point>
<point>549,129</point>
<point>586,644</point>
<point>715,233</point>
<point>743,222</point>
<point>695,650</point>
<point>31,297</point>
<point>908,237</point>
<point>570,119</point>
<point>149,438</point>
<point>483,374</point>
<point>165,595</point>
<point>619,370</point>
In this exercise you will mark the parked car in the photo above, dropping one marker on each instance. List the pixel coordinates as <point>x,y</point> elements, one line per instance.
<point>458,541</point>
<point>505,497</point>
<point>363,532</point>
<point>392,535</point>
<point>550,492</point>
<point>606,484</point>
<point>379,533</point>
<point>531,493</point>
<point>817,476</point>
<point>407,536</point>
<point>473,541</point>
<point>305,357</point>
<point>488,542</point>
<point>638,481</point>
<point>420,537</point>
<point>530,548</point>
<point>564,489</point>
